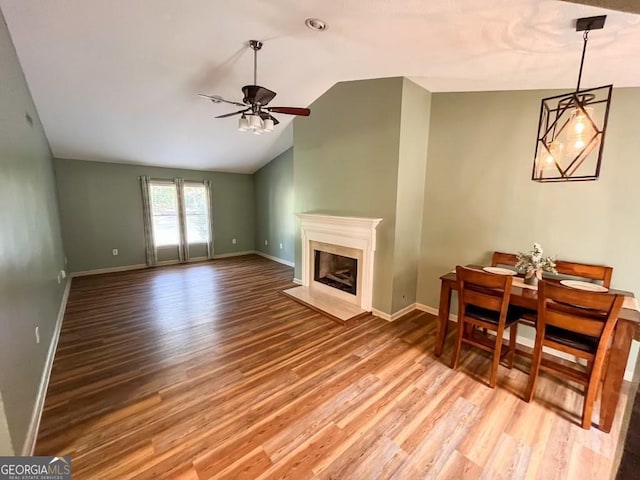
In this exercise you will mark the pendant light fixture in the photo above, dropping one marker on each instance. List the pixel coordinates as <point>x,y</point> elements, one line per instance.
<point>572,126</point>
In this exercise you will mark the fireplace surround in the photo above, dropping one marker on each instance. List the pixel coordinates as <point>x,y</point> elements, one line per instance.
<point>352,238</point>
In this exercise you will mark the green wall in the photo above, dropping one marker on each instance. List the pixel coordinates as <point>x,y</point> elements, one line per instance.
<point>275,222</point>
<point>412,161</point>
<point>101,209</point>
<point>31,252</point>
<point>6,448</point>
<point>479,196</point>
<point>346,163</point>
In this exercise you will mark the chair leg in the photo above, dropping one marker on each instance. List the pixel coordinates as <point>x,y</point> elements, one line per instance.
<point>468,329</point>
<point>496,357</point>
<point>592,392</point>
<point>513,334</point>
<point>535,368</point>
<point>458,346</point>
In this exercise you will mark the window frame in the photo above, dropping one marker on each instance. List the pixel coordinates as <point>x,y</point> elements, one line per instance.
<point>164,182</point>
<point>207,213</point>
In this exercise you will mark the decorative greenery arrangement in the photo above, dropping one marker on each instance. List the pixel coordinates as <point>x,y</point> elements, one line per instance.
<point>532,264</point>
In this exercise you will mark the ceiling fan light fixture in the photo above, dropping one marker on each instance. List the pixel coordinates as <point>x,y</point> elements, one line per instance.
<point>255,122</point>
<point>315,24</point>
<point>243,124</point>
<point>268,125</point>
<point>255,115</point>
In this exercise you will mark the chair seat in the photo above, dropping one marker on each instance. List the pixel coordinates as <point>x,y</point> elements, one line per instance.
<point>491,316</point>
<point>571,339</point>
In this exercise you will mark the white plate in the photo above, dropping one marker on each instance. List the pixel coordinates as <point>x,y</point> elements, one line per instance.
<point>499,271</point>
<point>590,287</point>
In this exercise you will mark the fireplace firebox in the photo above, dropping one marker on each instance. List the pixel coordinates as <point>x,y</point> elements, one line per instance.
<point>336,271</point>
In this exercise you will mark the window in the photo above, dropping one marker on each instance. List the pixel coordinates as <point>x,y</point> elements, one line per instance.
<point>164,211</point>
<point>196,213</point>
<point>166,215</point>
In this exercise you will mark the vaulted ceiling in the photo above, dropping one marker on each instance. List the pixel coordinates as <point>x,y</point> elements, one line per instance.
<point>116,80</point>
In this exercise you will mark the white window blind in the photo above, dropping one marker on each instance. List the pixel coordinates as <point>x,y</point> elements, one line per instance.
<point>196,212</point>
<point>164,211</point>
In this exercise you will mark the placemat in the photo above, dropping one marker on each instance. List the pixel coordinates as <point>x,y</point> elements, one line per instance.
<point>631,303</point>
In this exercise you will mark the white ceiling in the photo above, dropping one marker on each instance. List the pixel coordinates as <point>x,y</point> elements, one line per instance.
<point>115,80</point>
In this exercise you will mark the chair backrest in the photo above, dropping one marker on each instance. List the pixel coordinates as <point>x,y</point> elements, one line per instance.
<point>588,313</point>
<point>585,270</point>
<point>502,258</point>
<point>482,289</point>
<point>600,273</point>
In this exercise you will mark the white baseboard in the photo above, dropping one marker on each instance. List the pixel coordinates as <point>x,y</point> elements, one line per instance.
<point>98,271</point>
<point>297,281</point>
<point>526,341</point>
<point>234,254</point>
<point>434,311</point>
<point>381,314</point>
<point>275,259</point>
<point>178,262</point>
<point>166,263</point>
<point>36,415</point>
<point>140,266</point>
<point>394,316</point>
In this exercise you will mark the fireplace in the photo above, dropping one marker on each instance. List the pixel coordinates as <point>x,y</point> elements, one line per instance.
<point>336,271</point>
<point>337,259</point>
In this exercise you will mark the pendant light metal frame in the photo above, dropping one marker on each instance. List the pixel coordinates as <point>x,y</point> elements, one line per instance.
<point>553,121</point>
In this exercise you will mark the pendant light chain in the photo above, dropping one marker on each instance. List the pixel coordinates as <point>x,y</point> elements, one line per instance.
<point>584,51</point>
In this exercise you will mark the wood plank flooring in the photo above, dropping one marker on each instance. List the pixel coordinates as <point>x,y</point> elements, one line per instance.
<point>207,371</point>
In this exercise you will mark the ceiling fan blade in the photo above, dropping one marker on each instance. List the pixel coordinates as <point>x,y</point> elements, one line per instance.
<point>303,112</point>
<point>255,94</point>
<point>219,99</point>
<point>233,113</point>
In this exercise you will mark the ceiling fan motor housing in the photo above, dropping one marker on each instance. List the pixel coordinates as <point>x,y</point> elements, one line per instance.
<point>256,95</point>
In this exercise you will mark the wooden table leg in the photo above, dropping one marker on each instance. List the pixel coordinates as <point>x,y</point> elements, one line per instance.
<point>443,316</point>
<point>614,375</point>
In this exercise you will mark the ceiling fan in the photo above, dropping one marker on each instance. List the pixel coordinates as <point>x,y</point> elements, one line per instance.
<point>255,114</point>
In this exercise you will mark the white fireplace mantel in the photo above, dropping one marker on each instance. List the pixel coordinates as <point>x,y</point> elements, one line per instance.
<point>350,232</point>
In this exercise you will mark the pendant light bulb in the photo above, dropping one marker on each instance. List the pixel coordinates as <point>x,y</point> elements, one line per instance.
<point>580,120</point>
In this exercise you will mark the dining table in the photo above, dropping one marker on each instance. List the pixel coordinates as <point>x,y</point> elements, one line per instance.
<point>527,297</point>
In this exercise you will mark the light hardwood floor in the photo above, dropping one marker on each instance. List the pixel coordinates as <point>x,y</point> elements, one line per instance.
<point>209,371</point>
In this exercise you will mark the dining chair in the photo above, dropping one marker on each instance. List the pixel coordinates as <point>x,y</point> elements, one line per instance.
<point>502,258</point>
<point>601,273</point>
<point>586,271</point>
<point>483,301</point>
<point>577,322</point>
